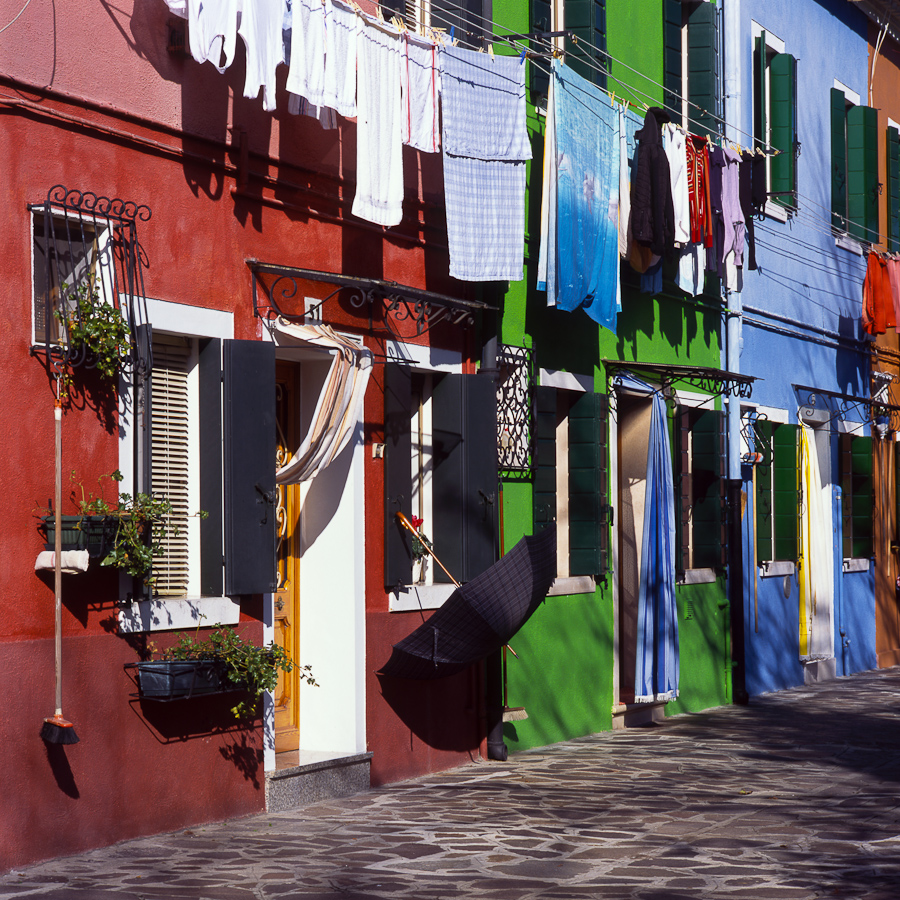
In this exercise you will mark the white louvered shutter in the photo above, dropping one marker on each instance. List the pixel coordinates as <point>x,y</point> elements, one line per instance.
<point>169,451</point>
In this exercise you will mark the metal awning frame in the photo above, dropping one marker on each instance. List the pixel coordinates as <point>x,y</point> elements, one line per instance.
<point>400,302</point>
<point>873,407</point>
<point>703,378</point>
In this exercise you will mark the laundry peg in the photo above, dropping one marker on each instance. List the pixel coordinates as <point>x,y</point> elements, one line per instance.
<point>522,57</point>
<point>491,51</point>
<point>379,14</point>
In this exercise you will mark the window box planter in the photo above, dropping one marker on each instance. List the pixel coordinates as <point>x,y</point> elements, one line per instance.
<point>92,533</point>
<point>178,679</point>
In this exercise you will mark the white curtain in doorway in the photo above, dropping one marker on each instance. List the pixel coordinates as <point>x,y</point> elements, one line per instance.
<point>340,404</point>
<point>816,557</point>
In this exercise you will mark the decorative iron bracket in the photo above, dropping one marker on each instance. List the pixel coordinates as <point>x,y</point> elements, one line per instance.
<point>399,302</point>
<point>874,407</point>
<point>703,378</point>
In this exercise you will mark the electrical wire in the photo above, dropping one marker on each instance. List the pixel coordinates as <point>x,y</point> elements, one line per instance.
<point>16,19</point>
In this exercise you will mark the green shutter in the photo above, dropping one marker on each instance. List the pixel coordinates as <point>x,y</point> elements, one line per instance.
<point>763,499</point>
<point>785,498</point>
<point>760,117</point>
<point>544,491</point>
<point>681,461</point>
<point>586,19</point>
<point>862,173</point>
<point>783,128</point>
<point>588,501</point>
<point>838,160</point>
<point>702,69</point>
<point>892,157</point>
<point>541,21</point>
<point>672,11</point>
<point>706,480</point>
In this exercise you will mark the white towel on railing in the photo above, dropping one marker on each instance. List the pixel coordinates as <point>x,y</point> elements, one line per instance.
<point>379,149</point>
<point>72,562</point>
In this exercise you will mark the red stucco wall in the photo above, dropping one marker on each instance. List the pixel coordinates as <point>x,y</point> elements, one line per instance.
<point>91,99</point>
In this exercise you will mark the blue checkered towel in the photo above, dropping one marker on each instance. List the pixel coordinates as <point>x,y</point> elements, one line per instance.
<point>486,146</point>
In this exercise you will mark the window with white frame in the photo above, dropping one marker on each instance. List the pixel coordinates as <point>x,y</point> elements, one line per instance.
<point>70,256</point>
<point>571,476</point>
<point>692,64</point>
<point>469,20</point>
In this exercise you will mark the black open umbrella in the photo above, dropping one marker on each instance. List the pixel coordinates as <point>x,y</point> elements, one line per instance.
<point>481,616</point>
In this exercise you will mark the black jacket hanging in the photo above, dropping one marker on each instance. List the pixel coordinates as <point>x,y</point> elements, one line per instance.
<point>652,210</point>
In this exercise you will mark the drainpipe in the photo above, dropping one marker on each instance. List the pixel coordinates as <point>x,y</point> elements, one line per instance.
<point>732,70</point>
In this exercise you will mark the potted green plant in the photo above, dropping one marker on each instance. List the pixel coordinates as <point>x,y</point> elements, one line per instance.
<point>126,533</point>
<point>99,329</point>
<point>221,662</point>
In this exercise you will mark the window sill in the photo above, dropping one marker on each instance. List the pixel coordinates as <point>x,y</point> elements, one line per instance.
<point>416,597</point>
<point>845,242</point>
<point>177,613</point>
<point>776,568</point>
<point>573,584</point>
<point>698,576</point>
<point>856,564</point>
<point>774,211</point>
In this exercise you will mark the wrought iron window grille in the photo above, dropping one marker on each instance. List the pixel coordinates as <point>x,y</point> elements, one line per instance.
<point>515,384</point>
<point>398,303</point>
<point>86,244</point>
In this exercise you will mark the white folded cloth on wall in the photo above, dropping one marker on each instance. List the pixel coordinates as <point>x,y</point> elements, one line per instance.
<point>72,562</point>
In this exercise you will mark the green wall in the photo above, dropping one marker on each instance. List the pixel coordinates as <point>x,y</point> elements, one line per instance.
<point>564,674</point>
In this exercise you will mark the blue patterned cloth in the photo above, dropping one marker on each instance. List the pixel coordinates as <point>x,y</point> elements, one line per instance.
<point>485,144</point>
<point>582,251</point>
<point>657,662</point>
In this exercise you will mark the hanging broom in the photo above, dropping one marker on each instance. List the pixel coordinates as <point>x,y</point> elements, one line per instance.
<point>56,730</point>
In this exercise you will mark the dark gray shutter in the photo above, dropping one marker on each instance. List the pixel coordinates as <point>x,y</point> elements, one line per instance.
<point>464,481</point>
<point>543,495</point>
<point>760,113</point>
<point>703,69</point>
<point>397,473</point>
<point>838,160</point>
<point>249,470</point>
<point>210,429</point>
<point>588,502</point>
<point>471,20</point>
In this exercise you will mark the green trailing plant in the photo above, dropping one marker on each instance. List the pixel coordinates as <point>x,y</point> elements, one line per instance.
<point>98,327</point>
<point>247,665</point>
<point>140,523</point>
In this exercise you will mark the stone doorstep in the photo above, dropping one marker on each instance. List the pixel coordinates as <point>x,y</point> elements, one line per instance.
<point>634,715</point>
<point>327,779</point>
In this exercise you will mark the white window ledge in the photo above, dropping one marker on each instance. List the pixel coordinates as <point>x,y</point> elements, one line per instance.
<point>698,576</point>
<point>177,613</point>
<point>845,242</point>
<point>573,584</point>
<point>856,564</point>
<point>776,569</point>
<point>416,597</point>
<point>776,211</point>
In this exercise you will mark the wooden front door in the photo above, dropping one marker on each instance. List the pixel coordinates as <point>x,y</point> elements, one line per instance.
<point>287,595</point>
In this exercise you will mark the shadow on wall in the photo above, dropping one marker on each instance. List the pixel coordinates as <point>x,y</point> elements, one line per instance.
<point>62,771</point>
<point>432,709</point>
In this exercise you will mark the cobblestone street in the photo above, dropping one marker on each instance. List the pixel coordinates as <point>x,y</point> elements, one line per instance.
<point>793,796</point>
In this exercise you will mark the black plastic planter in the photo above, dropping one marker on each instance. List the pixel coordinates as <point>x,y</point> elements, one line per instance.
<point>92,533</point>
<point>176,679</point>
